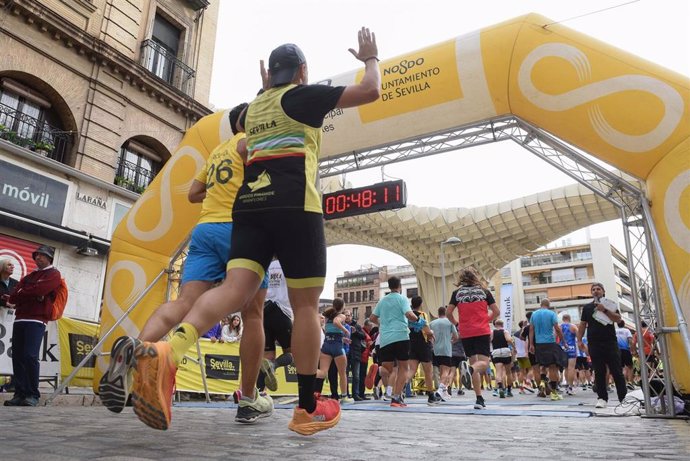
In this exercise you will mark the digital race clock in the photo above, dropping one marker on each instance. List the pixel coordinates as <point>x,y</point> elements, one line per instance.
<point>377,197</point>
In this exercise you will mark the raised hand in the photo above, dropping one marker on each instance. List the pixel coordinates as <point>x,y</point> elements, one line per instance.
<point>367,46</point>
<point>265,79</point>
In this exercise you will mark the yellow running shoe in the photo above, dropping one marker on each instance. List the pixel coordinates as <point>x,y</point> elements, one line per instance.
<point>269,375</point>
<point>325,415</point>
<point>154,384</point>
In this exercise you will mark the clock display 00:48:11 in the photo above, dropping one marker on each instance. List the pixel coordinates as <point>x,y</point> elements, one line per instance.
<point>377,197</point>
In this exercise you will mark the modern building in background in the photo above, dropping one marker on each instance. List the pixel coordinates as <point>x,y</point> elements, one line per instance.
<point>564,274</point>
<point>94,97</point>
<point>361,289</point>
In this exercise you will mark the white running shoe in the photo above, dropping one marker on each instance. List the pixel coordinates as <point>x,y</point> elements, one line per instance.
<point>601,403</point>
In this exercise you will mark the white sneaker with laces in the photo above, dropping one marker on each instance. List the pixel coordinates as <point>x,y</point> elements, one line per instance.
<point>601,403</point>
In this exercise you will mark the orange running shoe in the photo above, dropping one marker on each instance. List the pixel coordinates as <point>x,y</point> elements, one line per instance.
<point>325,415</point>
<point>154,384</point>
<point>371,376</point>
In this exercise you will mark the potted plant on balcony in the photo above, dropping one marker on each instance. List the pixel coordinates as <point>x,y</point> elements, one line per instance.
<point>124,182</point>
<point>44,148</point>
<point>7,134</point>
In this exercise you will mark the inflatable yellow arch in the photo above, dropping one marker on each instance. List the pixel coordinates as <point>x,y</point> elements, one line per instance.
<point>625,111</point>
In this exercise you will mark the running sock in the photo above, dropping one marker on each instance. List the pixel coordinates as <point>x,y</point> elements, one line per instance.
<point>544,379</point>
<point>182,340</point>
<point>261,381</point>
<point>305,388</point>
<point>389,390</point>
<point>318,385</point>
<point>250,399</point>
<point>554,385</point>
<point>500,386</point>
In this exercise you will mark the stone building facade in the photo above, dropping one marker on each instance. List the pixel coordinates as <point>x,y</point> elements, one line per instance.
<point>94,97</point>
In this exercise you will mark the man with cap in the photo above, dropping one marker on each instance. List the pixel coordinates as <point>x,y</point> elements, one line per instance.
<point>277,212</point>
<point>33,299</point>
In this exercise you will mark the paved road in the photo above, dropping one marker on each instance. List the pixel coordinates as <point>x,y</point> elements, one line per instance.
<point>569,429</point>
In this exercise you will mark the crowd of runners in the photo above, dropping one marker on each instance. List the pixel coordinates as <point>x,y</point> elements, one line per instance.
<point>261,223</point>
<point>467,349</point>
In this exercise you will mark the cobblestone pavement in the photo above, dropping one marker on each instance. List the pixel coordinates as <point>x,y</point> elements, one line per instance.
<point>570,429</point>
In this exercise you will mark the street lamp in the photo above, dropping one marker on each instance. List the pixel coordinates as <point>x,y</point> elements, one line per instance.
<point>450,241</point>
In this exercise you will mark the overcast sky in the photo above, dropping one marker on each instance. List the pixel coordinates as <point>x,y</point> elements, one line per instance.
<point>657,30</point>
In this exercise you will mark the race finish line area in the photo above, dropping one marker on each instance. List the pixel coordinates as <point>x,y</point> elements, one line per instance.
<point>576,408</point>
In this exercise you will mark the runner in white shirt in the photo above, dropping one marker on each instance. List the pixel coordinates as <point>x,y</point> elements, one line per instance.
<point>277,327</point>
<point>522,356</point>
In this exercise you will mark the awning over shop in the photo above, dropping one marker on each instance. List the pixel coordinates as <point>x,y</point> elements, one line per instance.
<point>54,232</point>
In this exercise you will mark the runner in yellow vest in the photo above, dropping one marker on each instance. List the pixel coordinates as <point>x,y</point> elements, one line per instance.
<point>277,212</point>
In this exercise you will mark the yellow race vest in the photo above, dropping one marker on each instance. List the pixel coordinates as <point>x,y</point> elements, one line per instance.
<point>281,170</point>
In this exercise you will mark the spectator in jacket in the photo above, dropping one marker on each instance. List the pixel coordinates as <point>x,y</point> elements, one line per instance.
<point>33,298</point>
<point>354,357</point>
<point>7,283</point>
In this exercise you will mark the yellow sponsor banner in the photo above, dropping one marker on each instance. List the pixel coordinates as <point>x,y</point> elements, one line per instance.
<point>221,363</point>
<point>77,338</point>
<point>415,81</point>
<point>668,186</point>
<point>626,111</point>
<point>152,231</point>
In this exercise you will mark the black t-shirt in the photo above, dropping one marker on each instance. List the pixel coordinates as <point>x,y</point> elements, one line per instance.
<point>488,296</point>
<point>309,104</point>
<point>597,332</point>
<point>417,337</point>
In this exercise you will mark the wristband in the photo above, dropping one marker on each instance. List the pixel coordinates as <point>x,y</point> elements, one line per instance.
<point>371,57</point>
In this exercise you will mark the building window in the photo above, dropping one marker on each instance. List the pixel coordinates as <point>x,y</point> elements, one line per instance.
<point>367,311</point>
<point>411,292</point>
<point>26,120</point>
<point>581,273</point>
<point>137,167</point>
<point>581,255</point>
<point>563,275</point>
<point>119,212</point>
<point>358,296</point>
<point>160,53</point>
<point>371,295</point>
<point>167,37</point>
<point>345,298</point>
<point>355,313</point>
<point>545,277</point>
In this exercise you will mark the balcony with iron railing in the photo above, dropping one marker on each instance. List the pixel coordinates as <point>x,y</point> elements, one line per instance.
<point>133,177</point>
<point>33,134</point>
<point>165,65</point>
